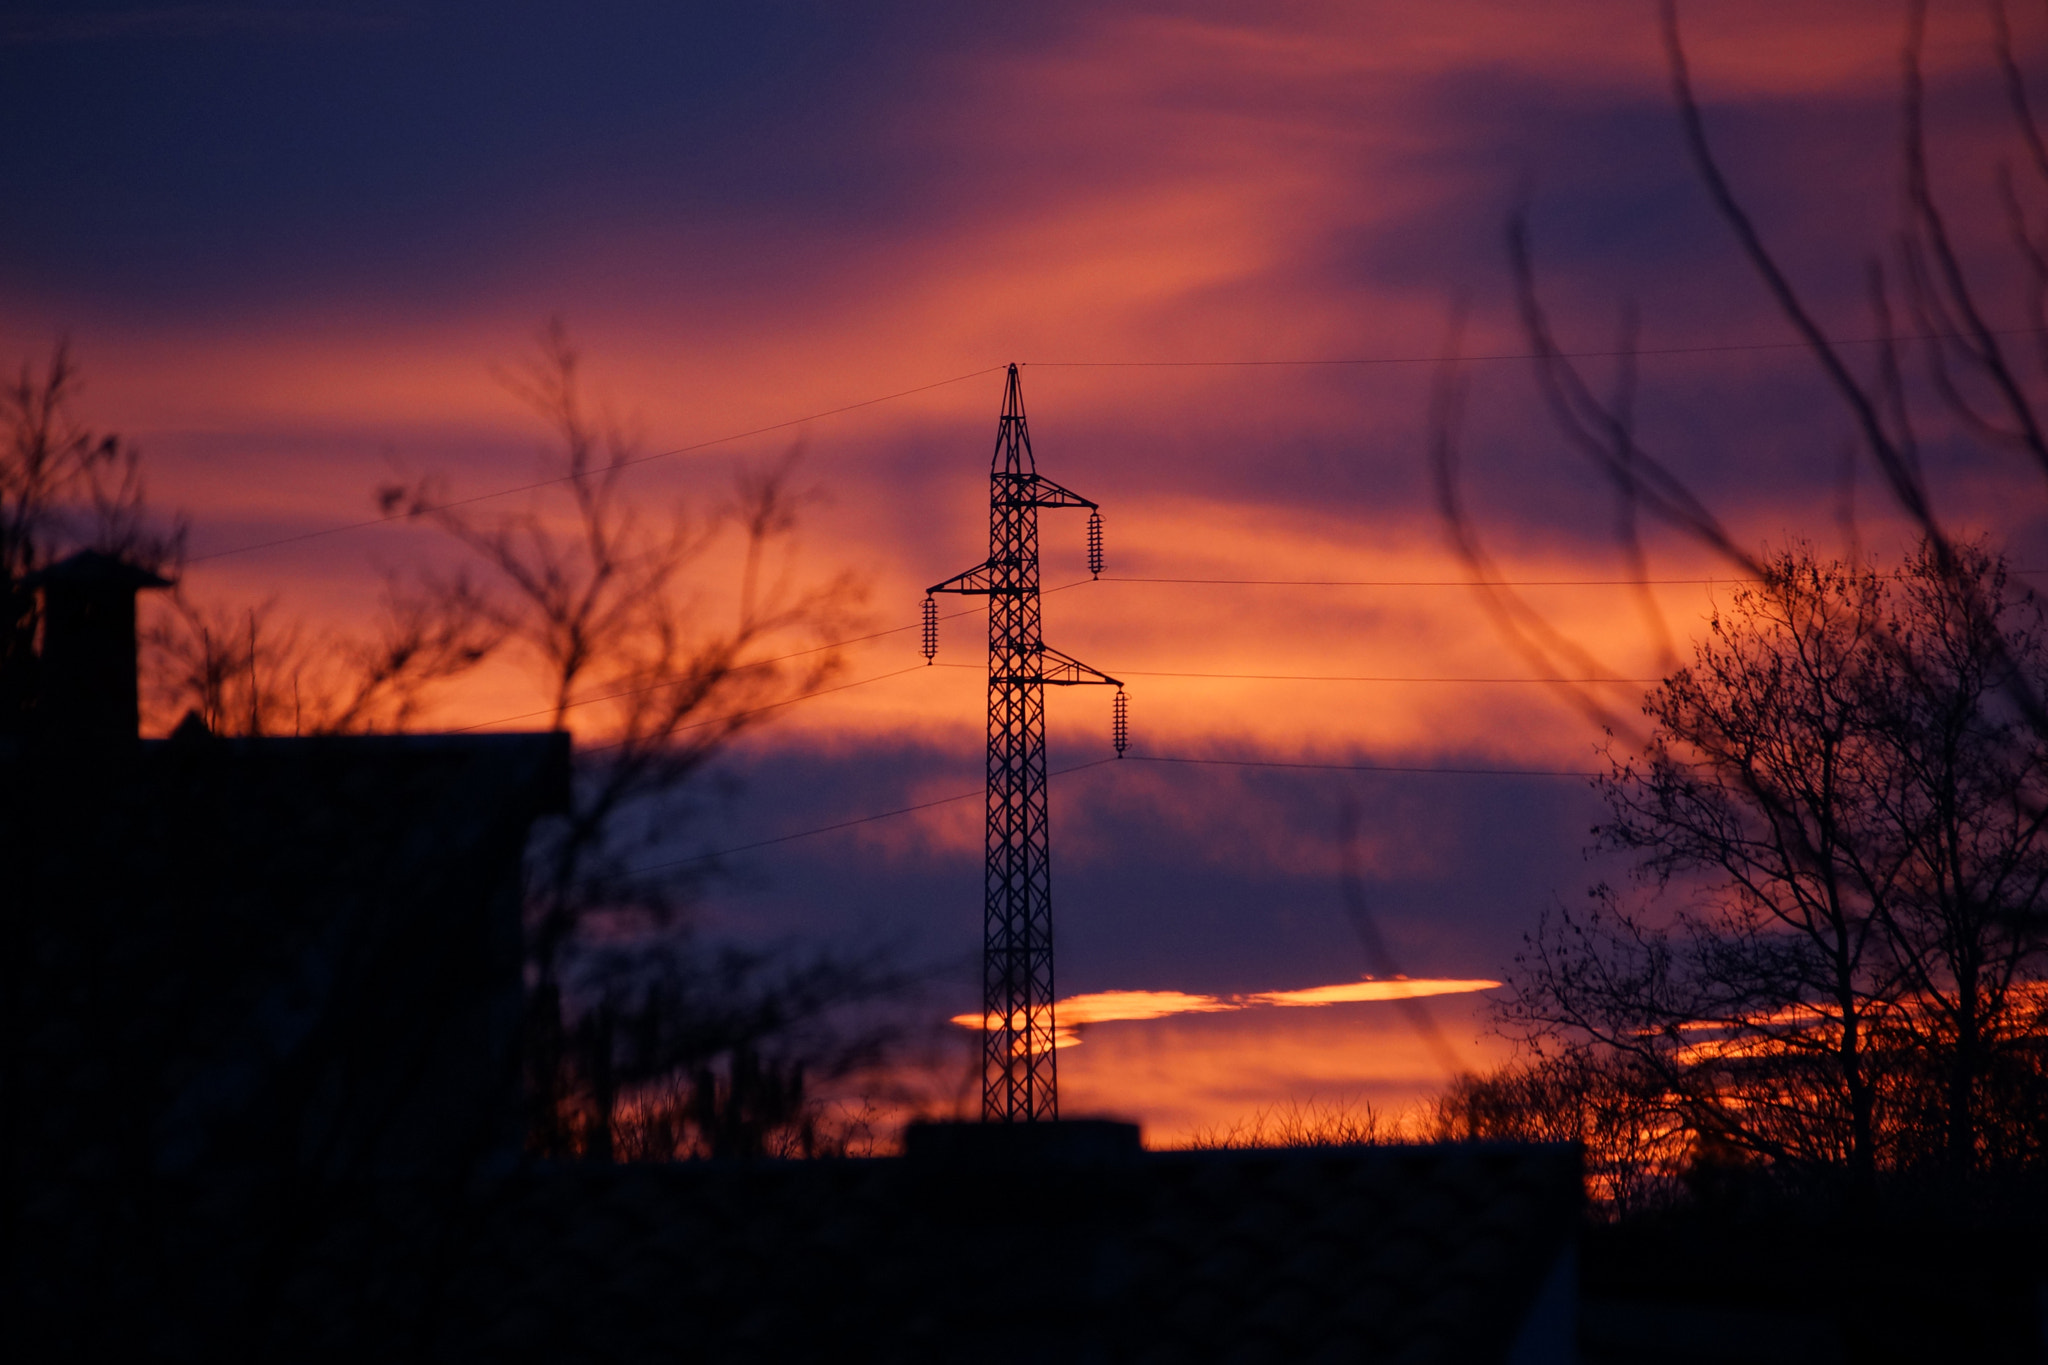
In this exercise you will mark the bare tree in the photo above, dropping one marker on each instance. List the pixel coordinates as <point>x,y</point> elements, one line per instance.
<point>1637,1149</point>
<point>1844,801</point>
<point>243,670</point>
<point>611,610</point>
<point>1968,925</point>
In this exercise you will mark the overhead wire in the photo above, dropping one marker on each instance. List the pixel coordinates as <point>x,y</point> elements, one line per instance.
<point>757,663</point>
<point>1437,359</point>
<point>795,835</point>
<point>1342,677</point>
<point>730,716</point>
<point>1366,767</point>
<point>1136,673</point>
<point>1439,582</point>
<point>788,422</point>
<point>1732,580</point>
<point>844,824</point>
<point>978,611</point>
<point>1156,673</point>
<point>409,513</point>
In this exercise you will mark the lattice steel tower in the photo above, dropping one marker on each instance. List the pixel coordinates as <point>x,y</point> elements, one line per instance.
<point>1019,1069</point>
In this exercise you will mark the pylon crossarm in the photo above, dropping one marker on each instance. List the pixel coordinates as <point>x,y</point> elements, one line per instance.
<point>977,581</point>
<point>1057,670</point>
<point>1035,490</point>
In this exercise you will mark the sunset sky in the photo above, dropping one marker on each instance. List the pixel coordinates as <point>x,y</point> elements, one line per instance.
<point>294,245</point>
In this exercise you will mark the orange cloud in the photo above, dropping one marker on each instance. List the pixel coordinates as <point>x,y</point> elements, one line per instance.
<point>1348,992</point>
<point>1105,1006</point>
<point>1102,1007</point>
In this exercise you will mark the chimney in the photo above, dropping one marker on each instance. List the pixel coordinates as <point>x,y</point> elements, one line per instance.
<point>87,683</point>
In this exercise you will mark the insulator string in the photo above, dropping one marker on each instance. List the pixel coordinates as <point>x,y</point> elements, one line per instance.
<point>931,628</point>
<point>1095,542</point>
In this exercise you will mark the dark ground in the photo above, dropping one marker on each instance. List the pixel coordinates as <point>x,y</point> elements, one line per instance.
<point>1926,1278</point>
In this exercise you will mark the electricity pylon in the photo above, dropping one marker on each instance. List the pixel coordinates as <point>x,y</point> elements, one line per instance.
<point>1019,1068</point>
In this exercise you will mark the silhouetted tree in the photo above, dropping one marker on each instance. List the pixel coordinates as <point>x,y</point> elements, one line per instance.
<point>244,671</point>
<point>1636,1147</point>
<point>612,610</point>
<point>1846,802</point>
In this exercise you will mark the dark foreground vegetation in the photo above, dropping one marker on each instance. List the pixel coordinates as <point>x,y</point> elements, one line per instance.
<point>1916,1276</point>
<point>1834,961</point>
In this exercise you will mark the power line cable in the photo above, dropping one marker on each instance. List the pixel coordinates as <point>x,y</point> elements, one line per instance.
<point>1343,678</point>
<point>1369,678</point>
<point>452,503</point>
<point>1097,763</point>
<point>1466,582</point>
<point>1442,582</point>
<point>1143,673</point>
<point>786,423</point>
<point>1515,355</point>
<point>758,663</point>
<point>679,682</point>
<point>757,710</point>
<point>847,824</point>
<point>1368,767</point>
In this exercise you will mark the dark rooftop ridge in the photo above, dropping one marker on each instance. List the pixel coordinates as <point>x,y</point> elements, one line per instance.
<point>1061,1142</point>
<point>98,570</point>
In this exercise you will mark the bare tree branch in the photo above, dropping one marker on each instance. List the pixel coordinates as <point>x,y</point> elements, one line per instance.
<point>1899,472</point>
<point>1548,652</point>
<point>1974,340</point>
<point>610,609</point>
